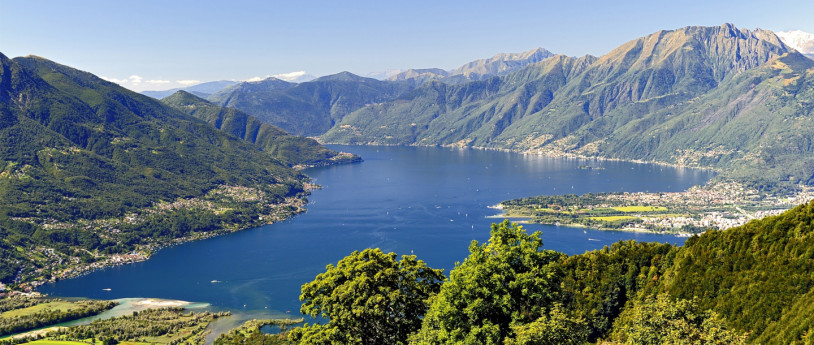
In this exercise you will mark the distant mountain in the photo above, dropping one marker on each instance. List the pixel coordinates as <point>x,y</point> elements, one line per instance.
<point>802,41</point>
<point>295,77</point>
<point>698,96</point>
<point>200,90</point>
<point>382,75</point>
<point>309,108</point>
<point>268,84</point>
<point>497,65</point>
<point>421,76</point>
<point>501,64</point>
<point>84,163</point>
<point>288,148</point>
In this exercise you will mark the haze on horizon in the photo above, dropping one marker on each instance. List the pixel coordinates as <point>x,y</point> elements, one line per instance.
<point>154,45</point>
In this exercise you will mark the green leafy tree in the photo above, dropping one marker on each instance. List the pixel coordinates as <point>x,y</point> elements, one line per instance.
<point>505,282</point>
<point>556,328</point>
<point>660,320</point>
<point>369,298</point>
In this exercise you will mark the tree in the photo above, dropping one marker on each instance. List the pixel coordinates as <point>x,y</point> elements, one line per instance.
<point>505,282</point>
<point>369,298</point>
<point>659,320</point>
<point>556,328</point>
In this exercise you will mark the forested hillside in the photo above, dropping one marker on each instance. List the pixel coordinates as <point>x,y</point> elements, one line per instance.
<point>85,166</point>
<point>309,108</point>
<point>291,149</point>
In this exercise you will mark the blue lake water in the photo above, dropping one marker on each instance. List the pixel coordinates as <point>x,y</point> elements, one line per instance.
<point>428,201</point>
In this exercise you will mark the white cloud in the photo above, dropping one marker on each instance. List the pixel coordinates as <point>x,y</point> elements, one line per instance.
<point>290,75</point>
<point>188,82</point>
<point>134,79</point>
<point>158,81</point>
<point>114,80</point>
<point>254,79</point>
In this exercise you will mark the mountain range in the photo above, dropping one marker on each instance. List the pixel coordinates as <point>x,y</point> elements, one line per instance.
<point>200,90</point>
<point>497,65</point>
<point>308,108</point>
<point>723,97</point>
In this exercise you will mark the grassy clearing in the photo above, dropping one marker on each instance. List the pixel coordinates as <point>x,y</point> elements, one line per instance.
<point>55,342</point>
<point>630,209</point>
<point>613,218</point>
<point>54,305</point>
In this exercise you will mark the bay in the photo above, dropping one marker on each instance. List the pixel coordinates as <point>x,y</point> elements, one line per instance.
<point>428,201</point>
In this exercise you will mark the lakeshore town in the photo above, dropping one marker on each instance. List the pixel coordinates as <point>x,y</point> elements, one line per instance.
<point>717,206</point>
<point>55,265</point>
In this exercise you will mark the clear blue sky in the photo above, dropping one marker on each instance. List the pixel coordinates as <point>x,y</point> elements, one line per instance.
<point>212,40</point>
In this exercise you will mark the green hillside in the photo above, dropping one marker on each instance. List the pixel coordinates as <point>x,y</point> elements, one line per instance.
<point>291,149</point>
<point>85,166</point>
<point>309,108</point>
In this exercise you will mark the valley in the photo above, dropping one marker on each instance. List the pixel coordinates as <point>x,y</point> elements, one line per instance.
<point>244,196</point>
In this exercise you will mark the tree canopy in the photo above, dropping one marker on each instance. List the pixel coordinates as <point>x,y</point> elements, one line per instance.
<point>505,283</point>
<point>369,297</point>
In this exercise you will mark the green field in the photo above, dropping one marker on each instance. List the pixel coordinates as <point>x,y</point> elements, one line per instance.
<point>58,305</point>
<point>613,218</point>
<point>631,209</point>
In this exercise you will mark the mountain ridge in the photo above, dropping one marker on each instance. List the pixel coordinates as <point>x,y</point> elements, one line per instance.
<point>569,106</point>
<point>294,150</point>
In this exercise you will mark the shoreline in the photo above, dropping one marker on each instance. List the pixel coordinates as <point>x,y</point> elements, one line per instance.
<point>583,226</point>
<point>565,155</point>
<point>144,254</point>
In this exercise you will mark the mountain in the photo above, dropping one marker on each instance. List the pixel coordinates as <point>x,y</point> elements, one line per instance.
<point>89,170</point>
<point>200,90</point>
<point>223,96</point>
<point>802,41</point>
<point>309,108</point>
<point>720,97</point>
<point>499,64</point>
<point>291,149</point>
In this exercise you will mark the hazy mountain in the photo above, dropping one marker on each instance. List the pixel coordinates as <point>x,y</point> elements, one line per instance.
<point>295,77</point>
<point>309,108</point>
<point>802,41</point>
<point>288,148</point>
<point>268,84</point>
<point>679,96</point>
<point>499,64</point>
<point>200,90</point>
<point>382,75</point>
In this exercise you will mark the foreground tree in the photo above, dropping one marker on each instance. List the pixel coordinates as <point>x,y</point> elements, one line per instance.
<point>660,320</point>
<point>507,286</point>
<point>369,298</point>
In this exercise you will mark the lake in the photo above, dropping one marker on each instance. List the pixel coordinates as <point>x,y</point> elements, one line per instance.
<point>428,201</point>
